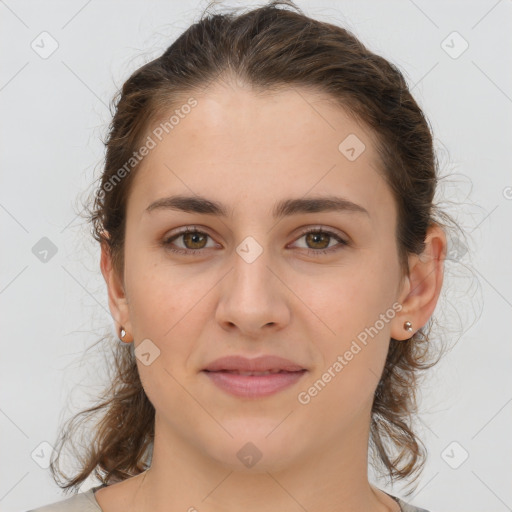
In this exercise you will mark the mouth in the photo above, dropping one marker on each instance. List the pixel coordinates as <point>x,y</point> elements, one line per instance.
<point>257,365</point>
<point>253,374</point>
<point>253,378</point>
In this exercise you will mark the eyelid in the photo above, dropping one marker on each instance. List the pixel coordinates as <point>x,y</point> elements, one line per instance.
<point>184,230</point>
<point>343,240</point>
<point>324,229</point>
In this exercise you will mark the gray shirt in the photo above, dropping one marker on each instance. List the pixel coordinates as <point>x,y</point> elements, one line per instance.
<point>86,502</point>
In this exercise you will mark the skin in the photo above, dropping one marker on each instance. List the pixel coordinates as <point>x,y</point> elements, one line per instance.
<point>248,151</point>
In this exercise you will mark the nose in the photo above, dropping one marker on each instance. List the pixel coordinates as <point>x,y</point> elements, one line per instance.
<point>253,299</point>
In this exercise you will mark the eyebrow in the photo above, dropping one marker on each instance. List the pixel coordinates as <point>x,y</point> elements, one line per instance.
<point>284,208</point>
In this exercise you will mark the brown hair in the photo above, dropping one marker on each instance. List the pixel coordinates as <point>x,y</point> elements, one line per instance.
<point>267,47</point>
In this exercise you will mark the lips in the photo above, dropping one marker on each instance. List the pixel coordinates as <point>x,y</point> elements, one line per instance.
<point>239,372</point>
<point>254,378</point>
<point>262,365</point>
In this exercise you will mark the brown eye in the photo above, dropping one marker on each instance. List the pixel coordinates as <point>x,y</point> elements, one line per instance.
<point>193,240</point>
<point>318,241</point>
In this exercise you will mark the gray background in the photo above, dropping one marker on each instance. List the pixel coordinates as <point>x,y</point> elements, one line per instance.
<point>54,111</point>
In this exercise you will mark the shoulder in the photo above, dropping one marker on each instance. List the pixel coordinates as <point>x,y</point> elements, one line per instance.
<point>81,502</point>
<point>406,507</point>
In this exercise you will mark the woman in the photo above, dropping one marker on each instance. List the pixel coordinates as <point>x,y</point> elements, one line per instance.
<point>272,259</point>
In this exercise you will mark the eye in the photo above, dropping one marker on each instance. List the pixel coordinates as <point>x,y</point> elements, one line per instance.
<point>195,241</point>
<point>321,238</point>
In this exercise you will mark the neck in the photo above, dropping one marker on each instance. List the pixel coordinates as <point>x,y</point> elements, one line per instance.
<point>182,477</point>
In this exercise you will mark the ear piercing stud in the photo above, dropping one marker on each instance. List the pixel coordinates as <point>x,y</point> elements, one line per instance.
<point>123,335</point>
<point>408,326</point>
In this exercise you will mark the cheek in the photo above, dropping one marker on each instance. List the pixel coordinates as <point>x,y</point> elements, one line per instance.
<point>352,359</point>
<point>352,319</point>
<point>168,307</point>
<point>343,301</point>
<point>159,294</point>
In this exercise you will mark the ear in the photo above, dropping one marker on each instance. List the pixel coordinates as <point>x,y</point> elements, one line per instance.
<point>421,289</point>
<point>117,300</point>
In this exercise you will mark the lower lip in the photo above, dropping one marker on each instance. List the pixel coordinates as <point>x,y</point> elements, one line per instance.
<point>254,386</point>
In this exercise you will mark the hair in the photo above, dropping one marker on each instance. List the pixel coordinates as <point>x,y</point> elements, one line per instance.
<point>268,48</point>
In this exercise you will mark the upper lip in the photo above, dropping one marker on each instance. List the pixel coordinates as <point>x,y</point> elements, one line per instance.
<point>257,364</point>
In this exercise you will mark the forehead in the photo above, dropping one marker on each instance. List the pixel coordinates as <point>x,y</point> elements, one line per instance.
<point>237,145</point>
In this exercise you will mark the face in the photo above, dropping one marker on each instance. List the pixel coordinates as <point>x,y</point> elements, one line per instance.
<point>252,283</point>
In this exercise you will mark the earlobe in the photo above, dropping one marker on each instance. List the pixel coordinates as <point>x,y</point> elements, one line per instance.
<point>422,286</point>
<point>117,299</point>
<point>125,336</point>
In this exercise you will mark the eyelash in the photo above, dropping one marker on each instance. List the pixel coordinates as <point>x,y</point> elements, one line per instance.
<point>314,252</point>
